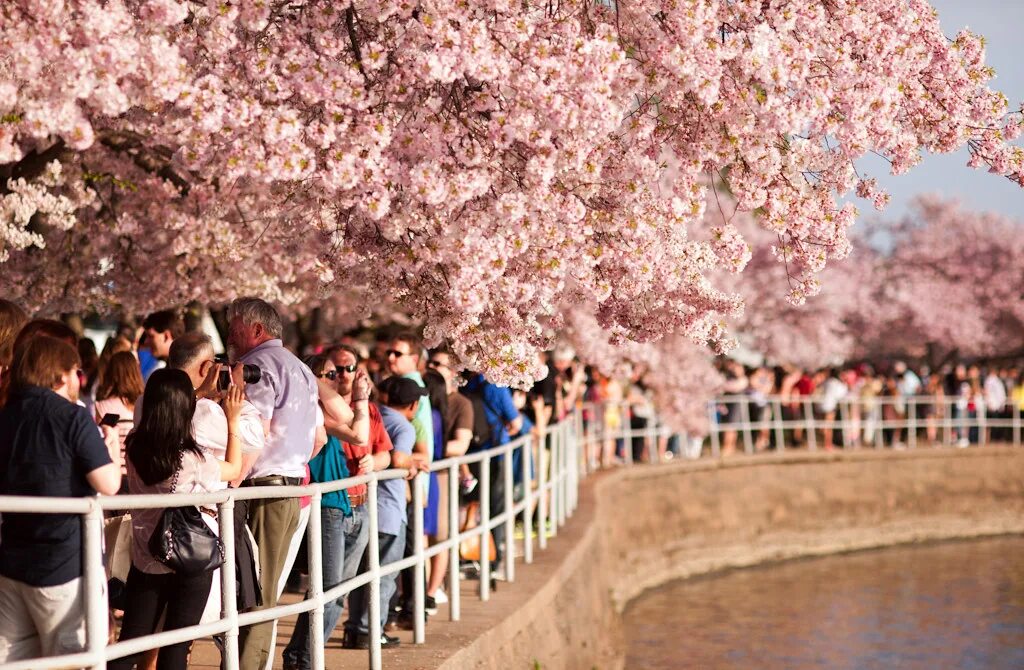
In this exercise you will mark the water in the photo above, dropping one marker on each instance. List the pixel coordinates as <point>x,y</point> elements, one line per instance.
<point>956,605</point>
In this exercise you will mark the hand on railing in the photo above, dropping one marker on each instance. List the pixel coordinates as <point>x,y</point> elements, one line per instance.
<point>419,464</point>
<point>366,465</point>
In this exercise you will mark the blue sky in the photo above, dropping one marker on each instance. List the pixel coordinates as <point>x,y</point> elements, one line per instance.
<point>1001,22</point>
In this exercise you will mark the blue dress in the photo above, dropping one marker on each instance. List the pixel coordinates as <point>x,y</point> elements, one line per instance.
<point>434,493</point>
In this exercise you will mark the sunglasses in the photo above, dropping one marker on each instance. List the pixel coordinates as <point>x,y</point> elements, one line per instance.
<point>348,368</point>
<point>396,353</point>
<point>436,364</point>
<point>330,374</point>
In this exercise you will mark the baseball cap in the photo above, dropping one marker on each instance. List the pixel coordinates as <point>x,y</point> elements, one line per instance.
<point>401,391</point>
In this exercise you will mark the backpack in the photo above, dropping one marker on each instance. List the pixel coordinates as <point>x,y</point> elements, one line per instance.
<point>484,434</point>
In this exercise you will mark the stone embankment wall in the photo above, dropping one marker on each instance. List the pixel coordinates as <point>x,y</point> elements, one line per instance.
<point>638,528</point>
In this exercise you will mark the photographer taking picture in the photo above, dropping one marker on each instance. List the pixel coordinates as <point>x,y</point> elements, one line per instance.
<point>287,399</point>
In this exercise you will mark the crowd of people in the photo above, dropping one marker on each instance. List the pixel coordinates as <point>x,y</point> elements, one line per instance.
<point>157,411</point>
<point>875,405</point>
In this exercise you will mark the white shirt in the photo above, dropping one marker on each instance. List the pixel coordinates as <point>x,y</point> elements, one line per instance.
<point>833,391</point>
<point>210,428</point>
<point>995,393</point>
<point>287,397</point>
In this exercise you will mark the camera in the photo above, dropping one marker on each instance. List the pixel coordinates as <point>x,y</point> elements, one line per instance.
<point>250,373</point>
<point>111,420</point>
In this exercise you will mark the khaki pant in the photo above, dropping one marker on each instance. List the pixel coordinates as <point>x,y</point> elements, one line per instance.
<point>40,621</point>
<point>273,523</point>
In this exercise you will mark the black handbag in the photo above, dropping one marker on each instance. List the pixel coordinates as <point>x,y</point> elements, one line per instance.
<point>183,542</point>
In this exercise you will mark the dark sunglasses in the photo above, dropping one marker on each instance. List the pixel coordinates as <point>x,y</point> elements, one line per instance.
<point>348,368</point>
<point>396,353</point>
<point>330,374</point>
<point>436,364</point>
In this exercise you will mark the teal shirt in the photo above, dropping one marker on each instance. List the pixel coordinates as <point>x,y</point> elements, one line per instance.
<point>330,466</point>
<point>423,422</point>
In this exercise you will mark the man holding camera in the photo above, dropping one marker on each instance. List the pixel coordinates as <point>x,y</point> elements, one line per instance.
<point>286,397</point>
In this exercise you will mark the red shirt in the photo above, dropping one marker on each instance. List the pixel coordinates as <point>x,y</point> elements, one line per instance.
<point>805,386</point>
<point>379,443</point>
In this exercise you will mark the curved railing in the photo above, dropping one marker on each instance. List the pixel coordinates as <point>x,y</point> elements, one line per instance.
<point>571,449</point>
<point>554,497</point>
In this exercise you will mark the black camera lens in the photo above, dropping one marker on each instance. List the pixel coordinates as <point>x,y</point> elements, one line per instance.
<point>251,374</point>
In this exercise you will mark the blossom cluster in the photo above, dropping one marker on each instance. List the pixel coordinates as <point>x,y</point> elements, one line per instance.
<point>478,164</point>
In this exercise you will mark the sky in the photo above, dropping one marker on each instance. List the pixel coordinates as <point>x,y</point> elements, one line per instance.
<point>1000,21</point>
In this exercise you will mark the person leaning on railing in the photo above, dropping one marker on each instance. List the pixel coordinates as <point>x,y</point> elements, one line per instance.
<point>49,446</point>
<point>337,520</point>
<point>400,398</point>
<point>163,458</point>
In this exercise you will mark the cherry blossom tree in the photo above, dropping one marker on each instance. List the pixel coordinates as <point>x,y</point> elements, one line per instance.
<point>481,164</point>
<point>952,283</point>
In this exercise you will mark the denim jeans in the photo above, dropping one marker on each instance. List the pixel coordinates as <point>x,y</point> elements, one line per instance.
<point>340,534</point>
<point>357,536</point>
<point>391,548</point>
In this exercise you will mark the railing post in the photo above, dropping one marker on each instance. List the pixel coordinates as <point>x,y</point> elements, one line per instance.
<point>562,469</point>
<point>555,475</point>
<point>713,428</point>
<point>94,587</point>
<point>526,463</point>
<point>809,425</point>
<point>878,436</point>
<point>485,522</point>
<point>228,597</point>
<point>748,442</point>
<point>454,576</point>
<point>546,450</point>
<point>981,421</point>
<point>510,516</point>
<point>582,451</point>
<point>912,422</point>
<point>780,431</point>
<point>419,586</point>
<point>1015,409</point>
<point>573,440</point>
<point>314,553</point>
<point>626,432</point>
<point>374,548</point>
<point>843,416</point>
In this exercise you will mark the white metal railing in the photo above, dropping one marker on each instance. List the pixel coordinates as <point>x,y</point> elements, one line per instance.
<point>565,454</point>
<point>555,496</point>
<point>876,421</point>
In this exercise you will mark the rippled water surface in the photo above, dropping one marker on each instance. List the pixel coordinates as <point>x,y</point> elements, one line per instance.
<point>957,605</point>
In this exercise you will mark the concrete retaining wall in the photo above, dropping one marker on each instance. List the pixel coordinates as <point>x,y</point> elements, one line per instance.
<point>640,527</point>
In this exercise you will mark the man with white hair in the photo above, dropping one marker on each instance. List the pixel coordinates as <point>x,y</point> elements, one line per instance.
<point>286,397</point>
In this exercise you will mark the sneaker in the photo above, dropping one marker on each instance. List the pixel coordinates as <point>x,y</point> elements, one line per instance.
<point>441,597</point>
<point>353,640</point>
<point>430,605</point>
<point>963,443</point>
<point>407,620</point>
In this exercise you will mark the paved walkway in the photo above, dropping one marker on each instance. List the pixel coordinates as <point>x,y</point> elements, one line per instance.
<point>444,637</point>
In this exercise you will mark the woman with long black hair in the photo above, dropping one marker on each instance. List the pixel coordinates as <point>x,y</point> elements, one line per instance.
<point>163,457</point>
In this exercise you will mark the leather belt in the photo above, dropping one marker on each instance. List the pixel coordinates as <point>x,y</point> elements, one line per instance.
<point>357,499</point>
<point>273,480</point>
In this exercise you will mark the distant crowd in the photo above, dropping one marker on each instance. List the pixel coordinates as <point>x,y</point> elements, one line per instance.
<point>867,405</point>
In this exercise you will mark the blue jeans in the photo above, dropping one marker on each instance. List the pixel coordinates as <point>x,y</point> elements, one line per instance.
<point>391,549</point>
<point>340,535</point>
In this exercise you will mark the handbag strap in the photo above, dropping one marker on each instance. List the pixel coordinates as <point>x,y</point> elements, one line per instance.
<point>174,479</point>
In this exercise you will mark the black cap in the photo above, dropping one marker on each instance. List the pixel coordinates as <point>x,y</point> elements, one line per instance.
<point>401,391</point>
